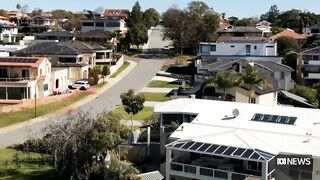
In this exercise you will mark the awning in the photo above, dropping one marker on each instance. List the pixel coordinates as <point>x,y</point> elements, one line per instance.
<point>221,150</point>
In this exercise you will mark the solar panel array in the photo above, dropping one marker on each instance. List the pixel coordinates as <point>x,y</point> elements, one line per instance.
<point>218,150</point>
<point>19,60</point>
<point>274,118</point>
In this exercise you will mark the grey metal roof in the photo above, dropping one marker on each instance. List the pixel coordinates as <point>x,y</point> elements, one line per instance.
<point>70,65</point>
<point>242,39</point>
<point>315,50</point>
<point>155,175</point>
<point>240,29</point>
<point>56,33</point>
<point>48,48</point>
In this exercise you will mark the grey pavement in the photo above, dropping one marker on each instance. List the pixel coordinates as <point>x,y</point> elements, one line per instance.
<point>136,79</point>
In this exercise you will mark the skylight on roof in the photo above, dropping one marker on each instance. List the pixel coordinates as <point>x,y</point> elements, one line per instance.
<point>289,120</point>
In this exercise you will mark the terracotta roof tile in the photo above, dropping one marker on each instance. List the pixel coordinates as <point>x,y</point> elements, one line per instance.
<point>288,33</point>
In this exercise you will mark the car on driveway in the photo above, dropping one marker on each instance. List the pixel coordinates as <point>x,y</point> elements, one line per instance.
<point>80,84</point>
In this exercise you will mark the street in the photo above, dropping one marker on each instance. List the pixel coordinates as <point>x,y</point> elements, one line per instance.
<point>136,80</point>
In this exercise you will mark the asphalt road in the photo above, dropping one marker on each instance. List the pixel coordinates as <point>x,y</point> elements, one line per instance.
<point>108,100</point>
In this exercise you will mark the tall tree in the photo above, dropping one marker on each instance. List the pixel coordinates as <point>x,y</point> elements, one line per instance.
<point>135,16</point>
<point>36,12</point>
<point>198,8</point>
<point>25,8</point>
<point>249,79</point>
<point>222,81</point>
<point>151,17</point>
<point>132,103</point>
<point>272,15</point>
<point>105,71</point>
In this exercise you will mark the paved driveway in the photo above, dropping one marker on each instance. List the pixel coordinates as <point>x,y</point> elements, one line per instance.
<point>136,80</point>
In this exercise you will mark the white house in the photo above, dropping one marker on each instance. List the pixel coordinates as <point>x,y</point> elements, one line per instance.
<point>231,141</point>
<point>8,31</point>
<point>24,78</point>
<point>238,46</point>
<point>111,25</point>
<point>264,26</point>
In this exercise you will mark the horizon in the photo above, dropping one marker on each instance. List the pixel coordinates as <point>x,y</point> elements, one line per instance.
<point>256,8</point>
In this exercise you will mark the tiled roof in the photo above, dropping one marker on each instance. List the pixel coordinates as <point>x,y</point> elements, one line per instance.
<point>315,50</point>
<point>116,12</point>
<point>21,61</point>
<point>288,33</point>
<point>96,34</point>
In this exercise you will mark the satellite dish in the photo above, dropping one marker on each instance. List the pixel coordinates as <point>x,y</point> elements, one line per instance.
<point>235,112</point>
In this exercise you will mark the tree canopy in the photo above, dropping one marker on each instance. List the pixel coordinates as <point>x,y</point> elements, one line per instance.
<point>151,17</point>
<point>186,28</point>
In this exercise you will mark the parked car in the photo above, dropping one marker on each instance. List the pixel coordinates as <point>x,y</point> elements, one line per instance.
<point>83,85</point>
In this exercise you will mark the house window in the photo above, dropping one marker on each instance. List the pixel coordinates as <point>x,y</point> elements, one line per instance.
<point>315,58</point>
<point>270,46</point>
<point>282,75</point>
<point>253,100</point>
<point>248,49</point>
<point>87,24</point>
<point>45,87</point>
<point>213,47</point>
<point>40,72</point>
<point>255,47</point>
<point>254,166</point>
<point>232,46</point>
<point>99,24</point>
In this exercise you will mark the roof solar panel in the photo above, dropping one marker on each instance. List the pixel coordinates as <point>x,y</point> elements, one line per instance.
<point>229,151</point>
<point>274,118</point>
<point>19,60</point>
<point>221,149</point>
<point>255,156</point>
<point>195,146</point>
<point>178,145</point>
<point>212,148</point>
<point>239,151</point>
<point>204,147</point>
<point>247,153</point>
<point>187,145</point>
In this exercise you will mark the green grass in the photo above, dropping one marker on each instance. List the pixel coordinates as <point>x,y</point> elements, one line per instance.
<point>146,112</point>
<point>100,85</point>
<point>7,119</point>
<point>184,57</point>
<point>17,165</point>
<point>163,84</point>
<point>123,67</point>
<point>160,97</point>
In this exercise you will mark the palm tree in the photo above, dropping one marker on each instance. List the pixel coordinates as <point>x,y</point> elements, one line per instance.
<point>222,81</point>
<point>249,79</point>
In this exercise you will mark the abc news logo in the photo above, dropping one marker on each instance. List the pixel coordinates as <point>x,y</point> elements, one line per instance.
<point>294,161</point>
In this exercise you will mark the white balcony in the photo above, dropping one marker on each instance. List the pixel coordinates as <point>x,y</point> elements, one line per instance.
<point>204,173</point>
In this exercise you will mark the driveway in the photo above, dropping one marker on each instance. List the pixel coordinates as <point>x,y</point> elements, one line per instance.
<point>136,79</point>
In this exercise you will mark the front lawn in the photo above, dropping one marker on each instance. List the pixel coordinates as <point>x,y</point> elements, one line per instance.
<point>146,112</point>
<point>163,84</point>
<point>17,165</point>
<point>159,97</point>
<point>123,67</point>
<point>7,119</point>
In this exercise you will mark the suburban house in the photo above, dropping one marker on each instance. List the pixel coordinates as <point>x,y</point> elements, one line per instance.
<point>240,31</point>
<point>265,27</point>
<point>100,37</point>
<point>111,25</point>
<point>308,66</point>
<point>277,76</point>
<point>291,34</point>
<point>24,78</point>
<point>37,24</point>
<point>250,48</point>
<point>90,14</point>
<point>228,140</point>
<point>312,31</point>
<point>62,55</point>
<point>58,36</point>
<point>8,31</point>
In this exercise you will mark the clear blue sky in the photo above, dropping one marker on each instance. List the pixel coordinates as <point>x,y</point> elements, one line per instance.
<point>240,8</point>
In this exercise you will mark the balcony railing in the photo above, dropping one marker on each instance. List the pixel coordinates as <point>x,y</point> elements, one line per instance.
<point>203,172</point>
<point>18,79</point>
